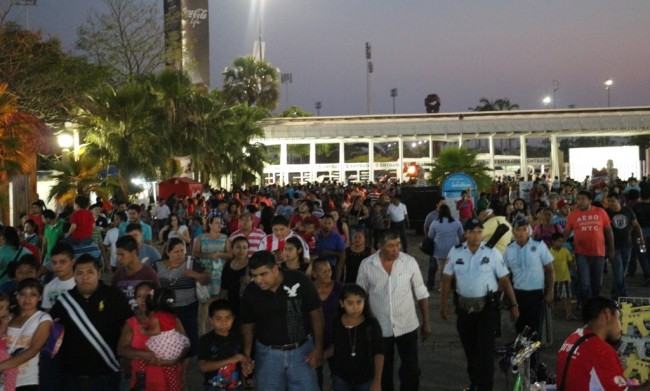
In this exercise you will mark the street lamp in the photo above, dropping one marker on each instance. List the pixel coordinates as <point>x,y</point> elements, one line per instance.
<point>556,86</point>
<point>369,71</point>
<point>286,79</point>
<point>393,94</point>
<point>546,101</point>
<point>318,106</point>
<point>608,83</point>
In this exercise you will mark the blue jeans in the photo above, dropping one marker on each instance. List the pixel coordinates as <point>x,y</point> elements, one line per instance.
<point>622,254</point>
<point>189,315</point>
<point>590,273</point>
<point>342,385</point>
<point>284,370</point>
<point>409,371</point>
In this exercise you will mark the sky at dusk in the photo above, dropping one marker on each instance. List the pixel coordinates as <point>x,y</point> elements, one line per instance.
<point>461,50</point>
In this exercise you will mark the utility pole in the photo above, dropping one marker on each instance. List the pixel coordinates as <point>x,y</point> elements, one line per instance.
<point>369,69</point>
<point>393,94</point>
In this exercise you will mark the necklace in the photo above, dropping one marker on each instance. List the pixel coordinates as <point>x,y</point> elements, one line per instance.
<point>352,338</point>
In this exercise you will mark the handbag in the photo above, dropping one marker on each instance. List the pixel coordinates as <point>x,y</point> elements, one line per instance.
<point>202,291</point>
<point>54,340</point>
<point>427,246</point>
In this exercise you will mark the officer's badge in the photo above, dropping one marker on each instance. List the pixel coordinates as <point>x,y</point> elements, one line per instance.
<point>485,260</point>
<point>460,261</point>
<point>101,306</point>
<point>533,248</point>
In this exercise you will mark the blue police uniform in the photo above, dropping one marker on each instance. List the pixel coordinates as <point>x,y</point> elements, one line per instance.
<point>477,275</point>
<point>527,265</point>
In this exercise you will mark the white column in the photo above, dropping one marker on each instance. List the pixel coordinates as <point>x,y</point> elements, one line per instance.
<point>400,160</point>
<point>460,140</point>
<point>491,147</point>
<point>341,161</point>
<point>555,163</point>
<point>283,162</point>
<point>371,160</point>
<point>523,158</point>
<point>312,161</point>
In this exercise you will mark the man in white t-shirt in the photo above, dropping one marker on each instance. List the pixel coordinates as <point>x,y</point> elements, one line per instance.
<point>62,258</point>
<point>162,215</point>
<point>399,219</point>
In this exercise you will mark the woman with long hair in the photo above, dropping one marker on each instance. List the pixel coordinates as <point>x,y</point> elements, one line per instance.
<point>175,229</point>
<point>26,335</point>
<point>211,249</point>
<point>293,256</point>
<point>446,232</point>
<point>181,273</point>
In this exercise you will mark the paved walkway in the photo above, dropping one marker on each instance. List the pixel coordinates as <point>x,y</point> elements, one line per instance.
<point>441,356</point>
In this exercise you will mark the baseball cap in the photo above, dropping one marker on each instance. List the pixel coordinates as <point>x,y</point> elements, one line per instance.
<point>520,222</point>
<point>473,223</point>
<point>562,203</point>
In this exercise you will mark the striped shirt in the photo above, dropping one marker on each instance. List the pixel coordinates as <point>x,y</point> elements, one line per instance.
<point>272,243</point>
<point>391,294</point>
<point>254,238</point>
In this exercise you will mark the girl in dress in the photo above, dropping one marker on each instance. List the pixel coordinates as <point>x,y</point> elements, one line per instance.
<point>358,350</point>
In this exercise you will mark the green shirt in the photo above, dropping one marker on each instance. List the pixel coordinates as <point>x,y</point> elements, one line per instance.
<point>52,234</point>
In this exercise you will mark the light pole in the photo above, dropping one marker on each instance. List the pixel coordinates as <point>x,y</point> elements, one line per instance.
<point>608,83</point>
<point>546,101</point>
<point>556,86</point>
<point>258,46</point>
<point>368,58</point>
<point>393,94</point>
<point>318,106</point>
<point>286,79</point>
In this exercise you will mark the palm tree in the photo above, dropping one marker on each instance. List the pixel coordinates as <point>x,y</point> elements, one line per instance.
<point>253,82</point>
<point>454,159</point>
<point>81,176</point>
<point>501,104</point>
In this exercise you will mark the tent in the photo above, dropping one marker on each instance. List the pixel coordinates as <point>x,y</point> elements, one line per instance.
<point>180,186</point>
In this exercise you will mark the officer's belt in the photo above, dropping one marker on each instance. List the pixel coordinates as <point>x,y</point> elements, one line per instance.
<point>471,304</point>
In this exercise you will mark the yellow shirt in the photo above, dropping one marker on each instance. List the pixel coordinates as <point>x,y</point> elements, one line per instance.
<point>561,259</point>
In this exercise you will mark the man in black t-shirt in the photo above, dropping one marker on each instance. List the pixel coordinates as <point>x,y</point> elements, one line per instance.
<point>642,211</point>
<point>282,310</point>
<point>623,222</point>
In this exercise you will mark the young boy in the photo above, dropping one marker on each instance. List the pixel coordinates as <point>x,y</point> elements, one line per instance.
<point>561,260</point>
<point>221,357</point>
<point>82,222</point>
<point>62,259</point>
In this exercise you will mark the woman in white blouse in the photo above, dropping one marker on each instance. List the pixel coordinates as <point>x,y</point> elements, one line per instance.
<point>27,333</point>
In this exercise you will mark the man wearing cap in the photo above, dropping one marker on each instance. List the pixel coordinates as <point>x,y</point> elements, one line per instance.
<point>563,210</point>
<point>531,264</point>
<point>592,234</point>
<point>479,271</point>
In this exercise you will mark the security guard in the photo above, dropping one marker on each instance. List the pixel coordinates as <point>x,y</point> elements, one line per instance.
<point>531,264</point>
<point>479,271</point>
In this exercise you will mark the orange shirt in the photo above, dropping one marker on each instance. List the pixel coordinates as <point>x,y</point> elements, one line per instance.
<point>588,233</point>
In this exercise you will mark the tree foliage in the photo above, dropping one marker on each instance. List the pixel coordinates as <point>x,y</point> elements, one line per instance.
<point>500,104</point>
<point>252,82</point>
<point>454,159</point>
<point>295,111</point>
<point>141,125</point>
<point>47,82</point>
<point>127,39</point>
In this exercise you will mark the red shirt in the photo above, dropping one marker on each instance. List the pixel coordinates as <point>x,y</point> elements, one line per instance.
<point>85,222</point>
<point>588,226</point>
<point>594,365</point>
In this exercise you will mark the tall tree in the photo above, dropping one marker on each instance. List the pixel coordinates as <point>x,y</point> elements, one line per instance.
<point>127,39</point>
<point>47,81</point>
<point>500,104</point>
<point>252,82</point>
<point>19,142</point>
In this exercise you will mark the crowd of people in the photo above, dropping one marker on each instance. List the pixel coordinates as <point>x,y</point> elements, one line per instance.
<point>266,284</point>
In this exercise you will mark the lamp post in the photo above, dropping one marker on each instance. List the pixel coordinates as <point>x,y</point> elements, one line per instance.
<point>286,79</point>
<point>369,71</point>
<point>546,101</point>
<point>608,83</point>
<point>318,106</point>
<point>393,94</point>
<point>556,86</point>
<point>69,139</point>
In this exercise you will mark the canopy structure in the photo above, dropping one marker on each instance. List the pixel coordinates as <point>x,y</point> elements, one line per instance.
<point>180,186</point>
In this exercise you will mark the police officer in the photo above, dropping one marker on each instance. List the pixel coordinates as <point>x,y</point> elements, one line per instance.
<point>479,271</point>
<point>531,264</point>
